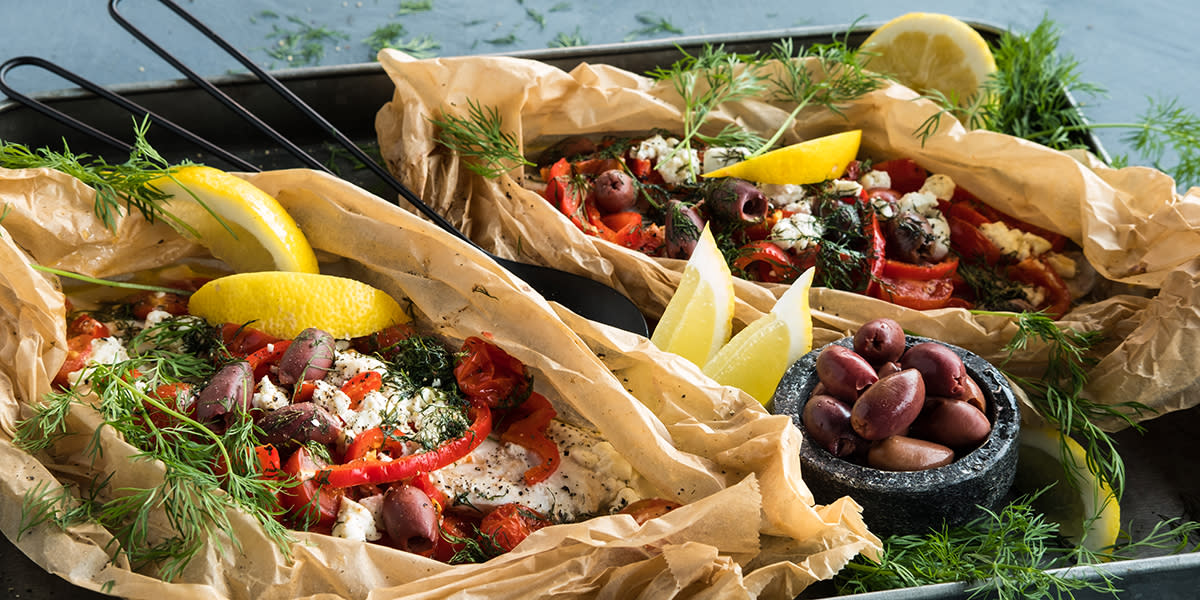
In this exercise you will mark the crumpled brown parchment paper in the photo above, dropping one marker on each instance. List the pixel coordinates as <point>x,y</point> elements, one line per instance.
<point>749,528</point>
<point>1133,226</point>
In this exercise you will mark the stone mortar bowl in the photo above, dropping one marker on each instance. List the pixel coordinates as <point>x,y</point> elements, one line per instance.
<point>912,502</point>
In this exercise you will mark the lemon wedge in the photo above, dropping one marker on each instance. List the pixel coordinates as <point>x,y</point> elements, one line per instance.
<point>811,161</point>
<point>931,51</point>
<point>699,317</point>
<point>1081,503</point>
<point>756,358</point>
<point>261,236</point>
<point>285,303</point>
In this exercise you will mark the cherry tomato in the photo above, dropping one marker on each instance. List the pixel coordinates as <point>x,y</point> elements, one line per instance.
<point>906,175</point>
<point>261,360</point>
<point>268,461</point>
<point>490,375</point>
<point>510,524</point>
<point>620,220</point>
<point>79,351</point>
<point>241,340</point>
<point>360,385</point>
<point>145,302</point>
<point>638,167</point>
<point>649,508</point>
<point>168,393</point>
<point>310,502</point>
<point>880,193</point>
<point>85,324</point>
<point>765,261</point>
<point>1035,271</point>
<point>914,293</point>
<point>456,531</point>
<point>383,342</point>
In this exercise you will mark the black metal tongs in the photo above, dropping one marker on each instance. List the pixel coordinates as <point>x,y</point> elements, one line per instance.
<point>584,296</point>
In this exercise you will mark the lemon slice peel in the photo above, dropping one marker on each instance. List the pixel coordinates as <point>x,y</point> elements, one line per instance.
<point>283,304</point>
<point>932,52</point>
<point>811,161</point>
<point>756,358</point>
<point>699,317</point>
<point>239,223</point>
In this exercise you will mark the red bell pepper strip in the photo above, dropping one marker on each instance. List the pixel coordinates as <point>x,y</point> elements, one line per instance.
<point>905,270</point>
<point>877,255</point>
<point>970,243</point>
<point>529,431</point>
<point>360,385</point>
<point>269,464</point>
<point>366,471</point>
<point>765,261</point>
<point>260,360</point>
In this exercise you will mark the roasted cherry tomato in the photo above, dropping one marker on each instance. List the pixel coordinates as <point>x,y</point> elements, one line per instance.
<point>1035,271</point>
<point>510,524</point>
<point>144,303</point>
<point>649,508</point>
<point>383,342</point>
<point>311,503</point>
<point>457,530</point>
<point>241,340</point>
<point>906,175</point>
<point>86,324</point>
<point>914,293</point>
<point>360,385</point>
<point>490,375</point>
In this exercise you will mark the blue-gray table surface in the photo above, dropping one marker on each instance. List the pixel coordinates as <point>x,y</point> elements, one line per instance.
<point>1135,51</point>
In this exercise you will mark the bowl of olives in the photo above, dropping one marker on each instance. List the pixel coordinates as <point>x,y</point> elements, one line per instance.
<point>919,432</point>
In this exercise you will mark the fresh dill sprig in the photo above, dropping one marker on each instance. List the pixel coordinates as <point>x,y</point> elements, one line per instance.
<point>1057,393</point>
<point>1005,554</point>
<point>705,82</point>
<point>120,188</point>
<point>839,78</point>
<point>303,46</point>
<point>480,136</point>
<point>1027,97</point>
<point>409,7</point>
<point>194,495</point>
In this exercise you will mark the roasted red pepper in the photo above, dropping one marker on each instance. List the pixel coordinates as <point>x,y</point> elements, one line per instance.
<point>765,261</point>
<point>1035,271</point>
<point>367,471</point>
<point>914,293</point>
<point>905,270</point>
<point>360,385</point>
<point>526,426</point>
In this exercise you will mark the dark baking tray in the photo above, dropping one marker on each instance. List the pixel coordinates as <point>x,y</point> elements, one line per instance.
<point>350,95</point>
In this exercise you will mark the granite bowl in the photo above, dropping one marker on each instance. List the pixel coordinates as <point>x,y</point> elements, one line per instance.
<point>912,502</point>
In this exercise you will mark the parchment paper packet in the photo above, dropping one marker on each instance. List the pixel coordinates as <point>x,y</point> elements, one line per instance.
<point>712,447</point>
<point>1132,225</point>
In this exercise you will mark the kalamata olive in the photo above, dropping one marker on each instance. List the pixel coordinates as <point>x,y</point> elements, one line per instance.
<point>942,369</point>
<point>410,518</point>
<point>879,341</point>
<point>910,238</point>
<point>888,368</point>
<point>568,147</point>
<point>889,406</point>
<point>298,423</point>
<point>953,423</point>
<point>902,453</point>
<point>308,357</point>
<point>227,392</point>
<point>614,191</point>
<point>827,421</point>
<point>737,201</point>
<point>844,373</point>
<point>684,225</point>
<point>973,395</point>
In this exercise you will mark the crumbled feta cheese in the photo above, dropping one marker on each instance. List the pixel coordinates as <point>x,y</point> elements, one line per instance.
<point>876,179</point>
<point>919,203</point>
<point>798,232</point>
<point>675,166</point>
<point>105,351</point>
<point>355,522</point>
<point>1034,294</point>
<point>592,477</point>
<point>1062,264</point>
<point>267,396</point>
<point>843,187</point>
<point>1015,242</point>
<point>718,157</point>
<point>348,363</point>
<point>787,194</point>
<point>155,317</point>
<point>939,186</point>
